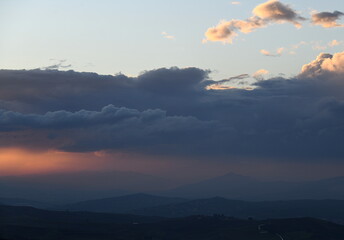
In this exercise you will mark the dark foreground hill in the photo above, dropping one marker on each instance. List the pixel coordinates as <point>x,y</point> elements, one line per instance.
<point>24,223</point>
<point>149,205</point>
<point>332,210</point>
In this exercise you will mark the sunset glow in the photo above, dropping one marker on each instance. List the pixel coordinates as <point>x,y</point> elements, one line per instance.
<point>187,99</point>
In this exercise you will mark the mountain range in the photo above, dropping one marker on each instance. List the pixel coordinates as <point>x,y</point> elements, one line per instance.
<point>149,205</point>
<point>233,186</point>
<point>123,204</point>
<point>76,187</point>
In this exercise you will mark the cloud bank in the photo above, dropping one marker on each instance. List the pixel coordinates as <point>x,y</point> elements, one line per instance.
<point>174,112</point>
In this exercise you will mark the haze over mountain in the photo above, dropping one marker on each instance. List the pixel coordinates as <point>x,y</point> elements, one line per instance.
<point>72,187</point>
<point>196,110</point>
<point>240,187</point>
<point>24,202</point>
<point>150,205</point>
<point>332,210</point>
<point>124,204</point>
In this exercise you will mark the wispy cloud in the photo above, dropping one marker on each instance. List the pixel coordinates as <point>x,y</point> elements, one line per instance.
<point>278,53</point>
<point>292,49</point>
<point>334,43</point>
<point>331,44</point>
<point>60,64</point>
<point>229,83</point>
<point>168,36</point>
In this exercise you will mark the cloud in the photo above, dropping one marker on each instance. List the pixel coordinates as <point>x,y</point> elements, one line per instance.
<point>41,91</point>
<point>293,48</point>
<point>327,19</point>
<point>168,36</point>
<point>59,65</point>
<point>110,128</point>
<point>324,64</point>
<point>275,11</point>
<point>272,11</point>
<point>226,31</point>
<point>298,45</point>
<point>220,33</point>
<point>269,54</point>
<point>170,112</point>
<point>331,44</point>
<point>233,81</point>
<point>334,43</point>
<point>260,73</point>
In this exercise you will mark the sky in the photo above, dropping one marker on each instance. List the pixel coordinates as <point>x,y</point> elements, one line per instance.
<point>109,37</point>
<point>199,88</point>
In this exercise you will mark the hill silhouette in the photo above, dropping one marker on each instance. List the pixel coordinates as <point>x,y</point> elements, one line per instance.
<point>24,223</point>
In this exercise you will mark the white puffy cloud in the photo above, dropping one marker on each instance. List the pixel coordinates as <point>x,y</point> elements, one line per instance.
<point>324,63</point>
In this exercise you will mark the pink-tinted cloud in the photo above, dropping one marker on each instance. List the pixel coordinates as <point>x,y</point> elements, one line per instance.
<point>221,33</point>
<point>259,75</point>
<point>226,31</point>
<point>264,14</point>
<point>269,54</point>
<point>275,11</point>
<point>324,63</point>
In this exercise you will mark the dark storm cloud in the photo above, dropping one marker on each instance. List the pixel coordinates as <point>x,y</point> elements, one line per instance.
<point>41,91</point>
<point>301,117</point>
<point>110,128</point>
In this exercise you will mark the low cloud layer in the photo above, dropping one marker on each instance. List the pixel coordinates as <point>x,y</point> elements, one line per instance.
<point>110,128</point>
<point>174,112</point>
